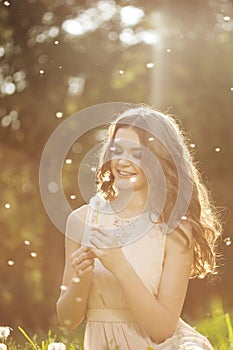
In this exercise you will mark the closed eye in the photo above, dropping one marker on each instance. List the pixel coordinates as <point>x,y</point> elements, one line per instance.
<point>115,150</point>
<point>137,154</point>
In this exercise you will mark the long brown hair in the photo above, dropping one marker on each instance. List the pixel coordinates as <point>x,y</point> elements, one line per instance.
<point>200,213</point>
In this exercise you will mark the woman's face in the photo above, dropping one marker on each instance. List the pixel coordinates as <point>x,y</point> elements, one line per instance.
<point>126,154</point>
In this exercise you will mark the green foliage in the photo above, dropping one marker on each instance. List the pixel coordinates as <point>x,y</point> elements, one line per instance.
<point>218,328</point>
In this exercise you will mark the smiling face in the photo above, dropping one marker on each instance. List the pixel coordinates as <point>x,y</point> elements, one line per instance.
<point>126,153</point>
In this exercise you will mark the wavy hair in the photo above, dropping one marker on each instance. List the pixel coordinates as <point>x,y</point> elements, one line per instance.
<point>201,212</point>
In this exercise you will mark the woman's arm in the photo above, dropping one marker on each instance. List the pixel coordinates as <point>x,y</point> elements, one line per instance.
<point>77,278</point>
<point>157,316</point>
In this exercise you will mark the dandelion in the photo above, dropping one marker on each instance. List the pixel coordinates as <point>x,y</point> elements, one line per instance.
<point>59,114</point>
<point>76,279</point>
<point>63,288</point>
<point>150,65</point>
<point>78,299</point>
<point>5,332</point>
<point>56,346</point>
<point>227,241</point>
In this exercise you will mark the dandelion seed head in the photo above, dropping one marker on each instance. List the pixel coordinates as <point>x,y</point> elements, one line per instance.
<point>68,161</point>
<point>227,241</point>
<point>217,149</point>
<point>6,3</point>
<point>56,346</point>
<point>63,287</point>
<point>72,196</point>
<point>7,205</point>
<point>33,254</point>
<point>10,262</point>
<point>78,299</point>
<point>26,242</point>
<point>59,114</point>
<point>150,65</point>
<point>4,332</point>
<point>76,279</point>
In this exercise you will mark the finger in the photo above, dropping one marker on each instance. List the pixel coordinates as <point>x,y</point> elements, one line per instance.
<point>89,269</point>
<point>81,257</point>
<point>85,264</point>
<point>97,241</point>
<point>103,241</point>
<point>97,253</point>
<point>104,233</point>
<point>79,252</point>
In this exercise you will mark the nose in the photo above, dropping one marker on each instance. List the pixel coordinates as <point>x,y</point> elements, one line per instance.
<point>124,161</point>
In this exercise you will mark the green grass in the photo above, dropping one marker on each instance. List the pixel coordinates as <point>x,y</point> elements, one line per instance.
<point>218,329</point>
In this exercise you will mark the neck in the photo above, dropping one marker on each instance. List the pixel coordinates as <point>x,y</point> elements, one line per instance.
<point>129,204</point>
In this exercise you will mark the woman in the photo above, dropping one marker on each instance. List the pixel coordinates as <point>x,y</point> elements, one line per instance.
<point>131,251</point>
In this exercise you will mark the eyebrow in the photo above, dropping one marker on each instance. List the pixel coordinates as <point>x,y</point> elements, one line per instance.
<point>116,143</point>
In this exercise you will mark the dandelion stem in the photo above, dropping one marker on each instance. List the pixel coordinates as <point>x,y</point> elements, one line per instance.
<point>36,347</point>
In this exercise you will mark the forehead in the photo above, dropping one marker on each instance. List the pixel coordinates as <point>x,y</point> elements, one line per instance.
<point>127,134</point>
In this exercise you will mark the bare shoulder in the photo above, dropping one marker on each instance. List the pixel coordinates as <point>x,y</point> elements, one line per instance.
<point>76,223</point>
<point>181,239</point>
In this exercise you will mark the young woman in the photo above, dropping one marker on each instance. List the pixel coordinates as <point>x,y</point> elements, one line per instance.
<point>132,250</point>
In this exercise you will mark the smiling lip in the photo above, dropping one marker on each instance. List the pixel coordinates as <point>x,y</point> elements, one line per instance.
<point>123,173</point>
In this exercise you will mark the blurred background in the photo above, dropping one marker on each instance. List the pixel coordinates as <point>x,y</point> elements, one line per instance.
<point>60,56</point>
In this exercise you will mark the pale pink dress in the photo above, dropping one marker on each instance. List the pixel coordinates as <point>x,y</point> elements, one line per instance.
<point>109,323</point>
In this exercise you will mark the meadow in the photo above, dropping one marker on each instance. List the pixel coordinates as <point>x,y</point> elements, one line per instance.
<point>217,327</point>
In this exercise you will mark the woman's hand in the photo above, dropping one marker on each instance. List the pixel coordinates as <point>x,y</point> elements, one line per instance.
<point>106,249</point>
<point>82,261</point>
